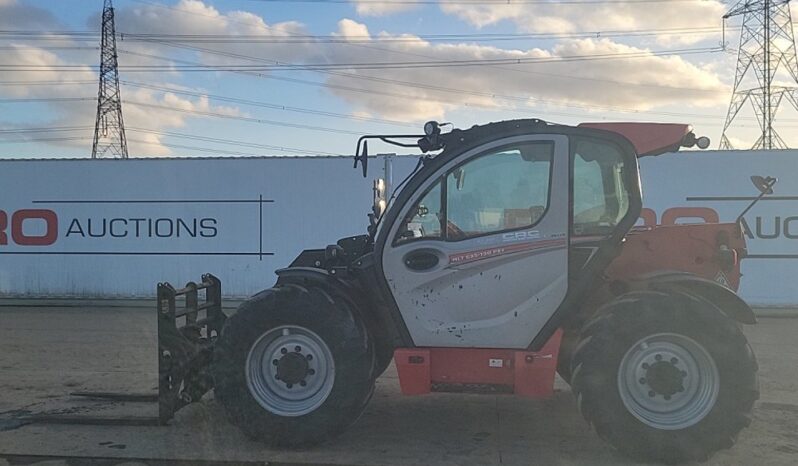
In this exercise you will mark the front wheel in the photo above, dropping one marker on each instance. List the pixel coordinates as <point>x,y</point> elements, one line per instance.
<point>665,377</point>
<point>293,366</point>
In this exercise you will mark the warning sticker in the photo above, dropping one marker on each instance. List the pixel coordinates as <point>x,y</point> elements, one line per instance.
<point>722,279</point>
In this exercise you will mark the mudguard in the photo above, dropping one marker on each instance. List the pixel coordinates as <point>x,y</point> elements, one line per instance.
<point>309,275</point>
<point>726,300</point>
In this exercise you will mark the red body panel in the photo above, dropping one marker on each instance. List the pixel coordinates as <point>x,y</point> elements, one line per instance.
<point>687,248</point>
<point>647,138</point>
<point>525,373</point>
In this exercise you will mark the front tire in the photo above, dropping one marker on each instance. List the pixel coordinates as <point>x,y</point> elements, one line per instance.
<point>292,367</point>
<point>665,377</point>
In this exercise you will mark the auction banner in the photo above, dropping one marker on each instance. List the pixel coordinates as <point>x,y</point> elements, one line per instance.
<point>115,228</point>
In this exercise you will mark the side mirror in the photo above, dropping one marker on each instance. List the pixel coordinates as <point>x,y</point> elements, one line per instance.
<point>363,157</point>
<point>764,184</point>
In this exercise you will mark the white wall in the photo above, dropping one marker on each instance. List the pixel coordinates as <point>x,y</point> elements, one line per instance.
<point>309,202</point>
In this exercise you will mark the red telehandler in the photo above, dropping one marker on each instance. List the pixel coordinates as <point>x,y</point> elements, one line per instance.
<point>509,253</point>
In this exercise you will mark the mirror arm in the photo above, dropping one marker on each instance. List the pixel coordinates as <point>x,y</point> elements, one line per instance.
<point>770,183</point>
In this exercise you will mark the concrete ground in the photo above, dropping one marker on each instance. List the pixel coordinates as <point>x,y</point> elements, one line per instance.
<point>45,353</point>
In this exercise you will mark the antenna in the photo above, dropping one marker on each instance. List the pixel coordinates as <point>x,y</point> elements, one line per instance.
<point>767,42</point>
<point>109,129</point>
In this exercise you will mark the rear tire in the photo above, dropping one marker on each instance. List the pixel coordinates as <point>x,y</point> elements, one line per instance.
<point>293,365</point>
<point>664,377</point>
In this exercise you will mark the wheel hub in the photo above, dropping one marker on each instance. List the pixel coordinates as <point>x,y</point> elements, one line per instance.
<point>665,378</point>
<point>292,368</point>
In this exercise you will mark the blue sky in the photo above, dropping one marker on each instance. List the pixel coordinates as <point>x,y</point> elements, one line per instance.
<point>692,86</point>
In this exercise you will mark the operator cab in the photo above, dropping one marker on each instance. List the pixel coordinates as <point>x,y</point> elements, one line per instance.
<point>538,209</point>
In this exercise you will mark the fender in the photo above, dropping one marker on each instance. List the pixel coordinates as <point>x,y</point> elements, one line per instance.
<point>726,300</point>
<point>312,276</point>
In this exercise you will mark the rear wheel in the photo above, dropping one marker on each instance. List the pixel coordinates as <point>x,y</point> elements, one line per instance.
<point>664,377</point>
<point>293,366</point>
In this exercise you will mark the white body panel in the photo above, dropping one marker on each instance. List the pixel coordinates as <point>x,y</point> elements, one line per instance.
<point>490,291</point>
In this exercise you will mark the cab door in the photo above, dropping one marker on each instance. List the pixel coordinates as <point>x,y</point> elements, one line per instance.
<point>479,256</point>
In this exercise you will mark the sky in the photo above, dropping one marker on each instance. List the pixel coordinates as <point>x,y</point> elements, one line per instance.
<point>210,77</point>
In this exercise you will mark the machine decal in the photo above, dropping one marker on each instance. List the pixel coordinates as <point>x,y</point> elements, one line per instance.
<point>471,256</point>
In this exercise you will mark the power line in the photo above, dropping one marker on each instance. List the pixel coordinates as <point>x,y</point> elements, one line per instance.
<point>232,142</point>
<point>50,47</point>
<point>246,119</point>
<point>351,40</point>
<point>194,148</point>
<point>46,83</point>
<point>52,129</point>
<point>419,86</point>
<point>483,2</point>
<point>45,99</point>
<point>262,104</point>
<point>58,139</point>
<point>356,39</point>
<point>375,65</point>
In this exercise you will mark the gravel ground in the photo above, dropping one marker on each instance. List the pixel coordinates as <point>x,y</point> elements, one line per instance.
<point>48,352</point>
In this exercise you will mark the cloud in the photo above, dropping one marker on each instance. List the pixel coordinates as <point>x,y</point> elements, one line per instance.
<point>16,16</point>
<point>599,17</point>
<point>83,113</point>
<point>194,17</point>
<point>641,83</point>
<point>373,8</point>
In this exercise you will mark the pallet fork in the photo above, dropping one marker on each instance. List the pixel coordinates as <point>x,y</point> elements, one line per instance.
<point>184,355</point>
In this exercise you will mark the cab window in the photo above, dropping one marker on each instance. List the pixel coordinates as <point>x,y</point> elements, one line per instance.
<point>600,198</point>
<point>498,191</point>
<point>425,218</point>
<point>505,189</point>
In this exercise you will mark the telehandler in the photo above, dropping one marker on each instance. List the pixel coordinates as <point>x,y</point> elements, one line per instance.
<point>511,252</point>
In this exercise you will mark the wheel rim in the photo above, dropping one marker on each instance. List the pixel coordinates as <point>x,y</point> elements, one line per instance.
<point>668,381</point>
<point>290,371</point>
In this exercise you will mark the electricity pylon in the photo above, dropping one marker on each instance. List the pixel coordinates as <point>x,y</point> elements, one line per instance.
<point>767,43</point>
<point>109,129</point>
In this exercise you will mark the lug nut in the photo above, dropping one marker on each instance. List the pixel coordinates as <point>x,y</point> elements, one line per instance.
<point>283,350</point>
<point>674,360</point>
<point>645,365</point>
<point>302,383</point>
<point>651,393</point>
<point>289,385</point>
<point>642,380</point>
<point>684,373</point>
<point>275,362</point>
<point>309,357</point>
<point>311,371</point>
<point>658,357</point>
<point>297,348</point>
<point>667,397</point>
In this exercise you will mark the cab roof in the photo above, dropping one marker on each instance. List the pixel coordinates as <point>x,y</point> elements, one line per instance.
<point>648,138</point>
